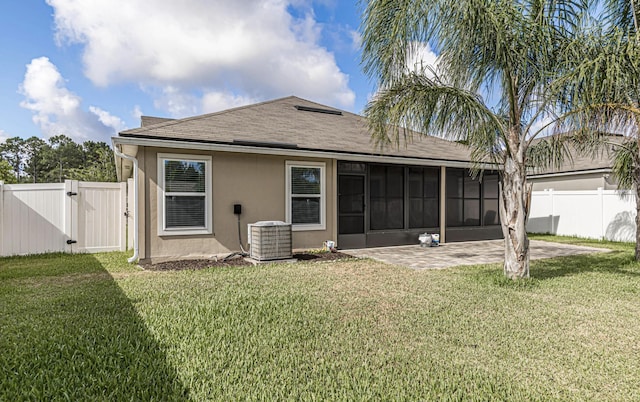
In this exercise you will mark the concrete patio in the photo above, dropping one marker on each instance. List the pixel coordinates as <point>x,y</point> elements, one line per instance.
<point>464,253</point>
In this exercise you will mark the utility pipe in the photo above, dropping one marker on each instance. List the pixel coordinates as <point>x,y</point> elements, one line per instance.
<point>133,159</point>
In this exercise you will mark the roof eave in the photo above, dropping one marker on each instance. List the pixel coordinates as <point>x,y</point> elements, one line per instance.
<point>569,173</point>
<point>298,152</point>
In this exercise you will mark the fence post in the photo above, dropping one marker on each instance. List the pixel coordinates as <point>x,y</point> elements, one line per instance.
<point>70,214</point>
<point>130,211</point>
<point>553,228</point>
<point>601,200</point>
<point>123,216</point>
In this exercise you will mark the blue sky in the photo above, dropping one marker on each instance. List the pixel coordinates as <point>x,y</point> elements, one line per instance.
<point>90,69</point>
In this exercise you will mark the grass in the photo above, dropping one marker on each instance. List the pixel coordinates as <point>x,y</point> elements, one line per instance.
<point>92,327</point>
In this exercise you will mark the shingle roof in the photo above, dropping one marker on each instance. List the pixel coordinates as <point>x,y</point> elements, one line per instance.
<point>292,122</point>
<point>151,120</point>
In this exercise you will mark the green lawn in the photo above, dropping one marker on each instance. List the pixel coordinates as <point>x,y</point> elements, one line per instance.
<point>88,327</point>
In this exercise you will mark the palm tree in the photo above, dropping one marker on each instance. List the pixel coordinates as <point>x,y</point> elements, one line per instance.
<point>608,87</point>
<point>623,96</point>
<point>512,47</point>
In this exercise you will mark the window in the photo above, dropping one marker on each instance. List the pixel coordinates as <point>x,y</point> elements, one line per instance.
<point>184,194</point>
<point>305,195</point>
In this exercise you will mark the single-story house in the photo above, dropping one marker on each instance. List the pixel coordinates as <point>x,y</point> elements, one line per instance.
<point>579,172</point>
<point>304,163</point>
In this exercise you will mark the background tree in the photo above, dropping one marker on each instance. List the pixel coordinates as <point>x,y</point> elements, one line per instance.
<point>34,149</point>
<point>6,172</point>
<point>99,163</point>
<point>37,161</point>
<point>12,150</point>
<point>65,155</point>
<point>511,47</point>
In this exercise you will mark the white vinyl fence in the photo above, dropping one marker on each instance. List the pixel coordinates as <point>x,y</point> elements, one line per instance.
<point>72,217</point>
<point>595,214</point>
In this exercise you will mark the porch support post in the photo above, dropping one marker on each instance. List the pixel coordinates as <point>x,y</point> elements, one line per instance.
<point>334,201</point>
<point>443,203</point>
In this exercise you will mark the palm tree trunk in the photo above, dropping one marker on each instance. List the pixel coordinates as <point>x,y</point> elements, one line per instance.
<point>514,210</point>
<point>637,187</point>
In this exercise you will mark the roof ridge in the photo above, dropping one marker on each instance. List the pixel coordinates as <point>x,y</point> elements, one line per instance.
<point>207,115</point>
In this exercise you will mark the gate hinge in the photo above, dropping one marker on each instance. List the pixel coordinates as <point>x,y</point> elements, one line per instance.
<point>71,241</point>
<point>70,193</point>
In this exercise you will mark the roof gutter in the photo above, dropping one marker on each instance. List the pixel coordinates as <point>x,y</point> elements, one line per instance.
<point>221,147</point>
<point>571,173</point>
<point>136,218</point>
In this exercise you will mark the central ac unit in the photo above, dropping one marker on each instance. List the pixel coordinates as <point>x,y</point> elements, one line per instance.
<point>270,240</point>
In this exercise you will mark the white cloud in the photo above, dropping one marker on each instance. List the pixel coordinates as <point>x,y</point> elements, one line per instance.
<point>247,48</point>
<point>177,103</point>
<point>56,110</point>
<point>216,101</point>
<point>356,39</point>
<point>108,119</point>
<point>421,58</point>
<point>137,112</point>
<point>543,126</point>
<point>3,136</point>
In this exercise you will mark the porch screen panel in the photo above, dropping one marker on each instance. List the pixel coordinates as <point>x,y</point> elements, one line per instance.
<point>423,197</point>
<point>351,204</point>
<point>490,199</point>
<point>455,197</point>
<point>471,202</point>
<point>386,197</point>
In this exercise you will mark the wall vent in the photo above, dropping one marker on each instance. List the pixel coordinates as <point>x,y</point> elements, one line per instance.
<point>270,240</point>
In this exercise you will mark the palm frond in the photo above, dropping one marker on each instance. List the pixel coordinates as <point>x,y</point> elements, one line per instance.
<point>623,14</point>
<point>626,165</point>
<point>418,105</point>
<point>389,27</point>
<point>549,153</point>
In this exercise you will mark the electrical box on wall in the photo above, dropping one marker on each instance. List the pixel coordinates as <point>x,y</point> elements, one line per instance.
<point>237,209</point>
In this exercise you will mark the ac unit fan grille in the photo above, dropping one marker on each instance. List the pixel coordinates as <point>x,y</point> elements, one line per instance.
<point>271,242</point>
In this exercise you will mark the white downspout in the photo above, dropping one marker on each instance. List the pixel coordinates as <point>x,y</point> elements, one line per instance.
<point>133,159</point>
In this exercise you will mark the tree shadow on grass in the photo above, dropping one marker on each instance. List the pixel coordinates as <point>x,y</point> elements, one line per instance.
<point>614,262</point>
<point>75,335</point>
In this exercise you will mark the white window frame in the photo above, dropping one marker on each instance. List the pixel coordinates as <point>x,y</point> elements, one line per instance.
<point>322,196</point>
<point>208,202</point>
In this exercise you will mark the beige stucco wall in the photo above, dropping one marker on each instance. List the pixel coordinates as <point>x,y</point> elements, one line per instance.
<point>257,182</point>
<point>590,181</point>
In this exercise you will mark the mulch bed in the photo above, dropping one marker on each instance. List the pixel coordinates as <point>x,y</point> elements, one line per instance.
<point>318,257</point>
<point>180,265</point>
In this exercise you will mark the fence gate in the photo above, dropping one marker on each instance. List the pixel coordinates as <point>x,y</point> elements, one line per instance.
<point>69,217</point>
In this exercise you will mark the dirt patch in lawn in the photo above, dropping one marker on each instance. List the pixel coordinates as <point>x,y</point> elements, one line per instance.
<point>179,265</point>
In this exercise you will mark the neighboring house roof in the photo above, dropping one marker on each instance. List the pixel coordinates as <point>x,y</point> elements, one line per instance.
<point>578,163</point>
<point>293,123</point>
